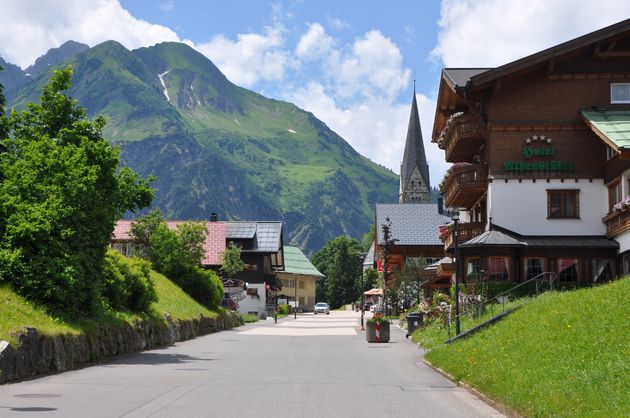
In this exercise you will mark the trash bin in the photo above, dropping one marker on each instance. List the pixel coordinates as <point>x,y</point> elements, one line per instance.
<point>414,320</point>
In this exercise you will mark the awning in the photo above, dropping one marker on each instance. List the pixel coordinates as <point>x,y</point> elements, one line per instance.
<point>491,238</point>
<point>374,292</point>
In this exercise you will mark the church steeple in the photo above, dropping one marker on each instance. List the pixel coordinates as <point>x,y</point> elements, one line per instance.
<point>414,171</point>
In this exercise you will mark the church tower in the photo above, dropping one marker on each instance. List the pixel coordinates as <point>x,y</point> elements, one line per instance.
<point>414,170</point>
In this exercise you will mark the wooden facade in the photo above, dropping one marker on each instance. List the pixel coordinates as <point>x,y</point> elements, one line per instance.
<point>521,127</point>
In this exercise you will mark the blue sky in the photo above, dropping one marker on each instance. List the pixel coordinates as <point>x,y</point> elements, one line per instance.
<point>412,25</point>
<point>351,63</point>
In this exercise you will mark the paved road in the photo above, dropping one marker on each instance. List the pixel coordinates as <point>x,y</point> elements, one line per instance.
<point>315,366</point>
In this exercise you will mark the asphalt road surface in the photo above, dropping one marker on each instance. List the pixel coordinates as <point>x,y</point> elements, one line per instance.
<point>315,366</point>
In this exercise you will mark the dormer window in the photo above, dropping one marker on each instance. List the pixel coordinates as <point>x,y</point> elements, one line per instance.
<point>620,93</point>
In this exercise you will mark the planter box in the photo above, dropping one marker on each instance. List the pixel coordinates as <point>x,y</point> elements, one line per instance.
<point>370,332</point>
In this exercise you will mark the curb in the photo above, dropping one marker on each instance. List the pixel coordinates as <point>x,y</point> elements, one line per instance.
<point>483,397</point>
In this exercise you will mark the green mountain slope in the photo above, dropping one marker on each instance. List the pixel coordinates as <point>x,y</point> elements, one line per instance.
<point>217,147</point>
<point>55,56</point>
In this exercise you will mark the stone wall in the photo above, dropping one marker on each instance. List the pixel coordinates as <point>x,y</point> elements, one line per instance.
<point>38,354</point>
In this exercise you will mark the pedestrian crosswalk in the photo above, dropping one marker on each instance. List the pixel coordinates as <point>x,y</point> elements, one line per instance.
<point>308,325</point>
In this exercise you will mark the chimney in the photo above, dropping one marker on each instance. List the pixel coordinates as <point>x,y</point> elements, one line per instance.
<point>440,204</point>
<point>214,217</point>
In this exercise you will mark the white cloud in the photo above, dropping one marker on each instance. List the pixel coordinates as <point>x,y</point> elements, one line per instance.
<point>376,128</point>
<point>374,65</point>
<point>31,27</point>
<point>167,5</point>
<point>356,84</point>
<point>336,23</point>
<point>490,33</point>
<point>315,43</point>
<point>252,57</point>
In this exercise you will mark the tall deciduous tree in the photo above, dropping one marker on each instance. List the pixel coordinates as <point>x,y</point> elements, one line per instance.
<point>340,260</point>
<point>178,255</point>
<point>231,261</point>
<point>3,121</point>
<point>60,197</point>
<point>171,252</point>
<point>386,248</point>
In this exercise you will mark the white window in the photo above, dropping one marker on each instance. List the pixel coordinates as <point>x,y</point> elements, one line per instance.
<point>620,93</point>
<point>610,152</point>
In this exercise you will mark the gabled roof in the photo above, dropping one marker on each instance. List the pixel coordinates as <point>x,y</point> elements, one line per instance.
<point>213,246</point>
<point>267,235</point>
<point>612,126</point>
<point>412,223</point>
<point>369,258</point>
<point>549,53</point>
<point>458,77</point>
<point>414,155</point>
<point>237,230</point>
<point>295,262</point>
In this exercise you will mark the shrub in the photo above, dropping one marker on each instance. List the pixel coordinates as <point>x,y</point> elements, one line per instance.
<point>283,309</point>
<point>202,285</point>
<point>379,319</point>
<point>127,283</point>
<point>439,297</point>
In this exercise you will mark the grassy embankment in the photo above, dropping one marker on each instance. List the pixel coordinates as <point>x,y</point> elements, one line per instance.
<point>563,354</point>
<point>17,313</point>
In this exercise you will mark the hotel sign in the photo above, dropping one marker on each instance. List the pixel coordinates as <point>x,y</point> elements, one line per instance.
<point>538,147</point>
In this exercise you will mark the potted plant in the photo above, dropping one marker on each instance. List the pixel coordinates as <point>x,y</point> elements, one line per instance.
<point>380,323</point>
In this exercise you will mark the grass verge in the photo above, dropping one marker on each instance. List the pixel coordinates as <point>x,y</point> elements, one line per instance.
<point>437,333</point>
<point>16,313</point>
<point>563,354</point>
<point>249,318</point>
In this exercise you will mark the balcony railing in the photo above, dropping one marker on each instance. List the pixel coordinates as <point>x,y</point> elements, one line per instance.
<point>467,231</point>
<point>461,139</point>
<point>617,222</point>
<point>464,185</point>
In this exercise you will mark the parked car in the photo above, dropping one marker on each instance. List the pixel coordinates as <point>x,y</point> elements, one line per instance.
<point>322,307</point>
<point>367,305</point>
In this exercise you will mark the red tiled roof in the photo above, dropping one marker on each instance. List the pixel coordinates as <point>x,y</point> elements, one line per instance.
<point>214,244</point>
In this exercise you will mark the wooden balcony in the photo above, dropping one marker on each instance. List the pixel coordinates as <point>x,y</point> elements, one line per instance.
<point>446,270</point>
<point>467,231</point>
<point>461,139</point>
<point>464,185</point>
<point>617,222</point>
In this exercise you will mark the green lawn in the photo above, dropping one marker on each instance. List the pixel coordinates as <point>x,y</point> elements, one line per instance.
<point>249,318</point>
<point>16,313</point>
<point>563,354</point>
<point>437,333</point>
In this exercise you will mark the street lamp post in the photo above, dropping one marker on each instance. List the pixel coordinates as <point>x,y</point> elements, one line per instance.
<point>455,218</point>
<point>362,301</point>
<point>295,301</point>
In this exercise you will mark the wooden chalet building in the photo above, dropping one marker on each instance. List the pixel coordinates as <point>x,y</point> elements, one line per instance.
<point>541,161</point>
<point>262,249</point>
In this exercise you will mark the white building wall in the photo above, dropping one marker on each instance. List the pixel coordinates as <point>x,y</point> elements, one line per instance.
<point>252,303</point>
<point>522,207</point>
<point>624,241</point>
